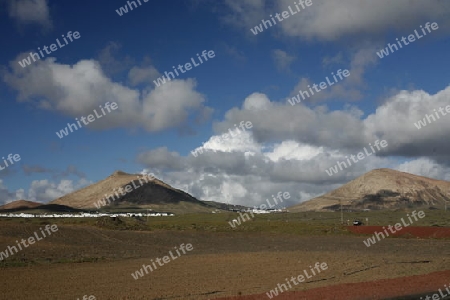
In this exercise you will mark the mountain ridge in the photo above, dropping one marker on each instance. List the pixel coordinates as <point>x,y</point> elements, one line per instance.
<point>381,189</point>
<point>147,192</point>
<point>18,204</point>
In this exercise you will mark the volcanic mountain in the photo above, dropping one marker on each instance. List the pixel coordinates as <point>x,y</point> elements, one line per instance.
<point>150,193</point>
<point>20,204</point>
<point>382,189</point>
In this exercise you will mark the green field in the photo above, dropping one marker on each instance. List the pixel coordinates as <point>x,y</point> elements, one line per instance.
<point>291,223</point>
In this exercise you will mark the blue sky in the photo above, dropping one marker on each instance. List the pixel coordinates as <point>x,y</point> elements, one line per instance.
<point>250,78</point>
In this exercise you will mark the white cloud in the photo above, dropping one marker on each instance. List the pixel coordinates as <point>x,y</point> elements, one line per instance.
<point>425,167</point>
<point>331,20</point>
<point>349,128</point>
<point>30,12</point>
<point>232,190</point>
<point>5,195</point>
<point>229,175</point>
<point>161,158</point>
<point>256,101</point>
<point>76,90</point>
<point>289,148</point>
<point>394,121</point>
<point>138,75</point>
<point>242,171</point>
<point>41,191</point>
<point>241,142</point>
<point>46,190</point>
<point>20,194</point>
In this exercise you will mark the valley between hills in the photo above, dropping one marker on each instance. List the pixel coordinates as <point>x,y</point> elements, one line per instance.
<point>98,255</point>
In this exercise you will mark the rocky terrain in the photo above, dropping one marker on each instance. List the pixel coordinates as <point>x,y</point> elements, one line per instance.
<point>151,193</point>
<point>20,204</point>
<point>382,189</point>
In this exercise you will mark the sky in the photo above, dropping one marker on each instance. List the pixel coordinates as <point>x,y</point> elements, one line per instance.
<point>105,55</point>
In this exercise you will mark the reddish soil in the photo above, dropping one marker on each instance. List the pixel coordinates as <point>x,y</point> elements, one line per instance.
<point>420,232</point>
<point>82,260</point>
<point>379,289</point>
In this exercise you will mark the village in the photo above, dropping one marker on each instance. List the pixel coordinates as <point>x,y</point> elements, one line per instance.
<point>86,215</point>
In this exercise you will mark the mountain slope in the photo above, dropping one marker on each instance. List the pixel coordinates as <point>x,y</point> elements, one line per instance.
<point>382,189</point>
<point>144,192</point>
<point>20,204</point>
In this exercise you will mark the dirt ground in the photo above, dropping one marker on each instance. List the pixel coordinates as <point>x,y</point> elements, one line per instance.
<point>412,231</point>
<point>404,288</point>
<point>220,265</point>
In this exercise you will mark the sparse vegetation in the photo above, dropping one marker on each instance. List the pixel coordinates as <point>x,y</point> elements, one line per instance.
<point>291,223</point>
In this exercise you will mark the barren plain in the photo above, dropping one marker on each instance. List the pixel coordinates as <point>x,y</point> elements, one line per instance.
<point>97,256</point>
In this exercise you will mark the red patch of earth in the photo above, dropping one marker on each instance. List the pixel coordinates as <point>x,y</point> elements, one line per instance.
<point>420,232</point>
<point>372,290</point>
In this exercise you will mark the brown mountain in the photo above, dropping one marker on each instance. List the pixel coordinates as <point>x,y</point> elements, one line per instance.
<point>20,204</point>
<point>151,193</point>
<point>382,189</point>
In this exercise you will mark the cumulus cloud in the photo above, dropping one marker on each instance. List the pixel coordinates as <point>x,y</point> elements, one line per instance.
<point>239,170</point>
<point>274,122</point>
<point>425,167</point>
<point>331,20</point>
<point>112,65</point>
<point>242,142</point>
<point>6,196</point>
<point>46,190</point>
<point>347,129</point>
<point>394,121</point>
<point>42,191</point>
<point>290,148</point>
<point>161,158</point>
<point>246,177</point>
<point>76,90</point>
<point>138,75</point>
<point>27,12</point>
<point>240,176</point>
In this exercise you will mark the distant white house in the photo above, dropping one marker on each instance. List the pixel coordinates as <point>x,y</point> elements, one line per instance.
<point>86,215</point>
